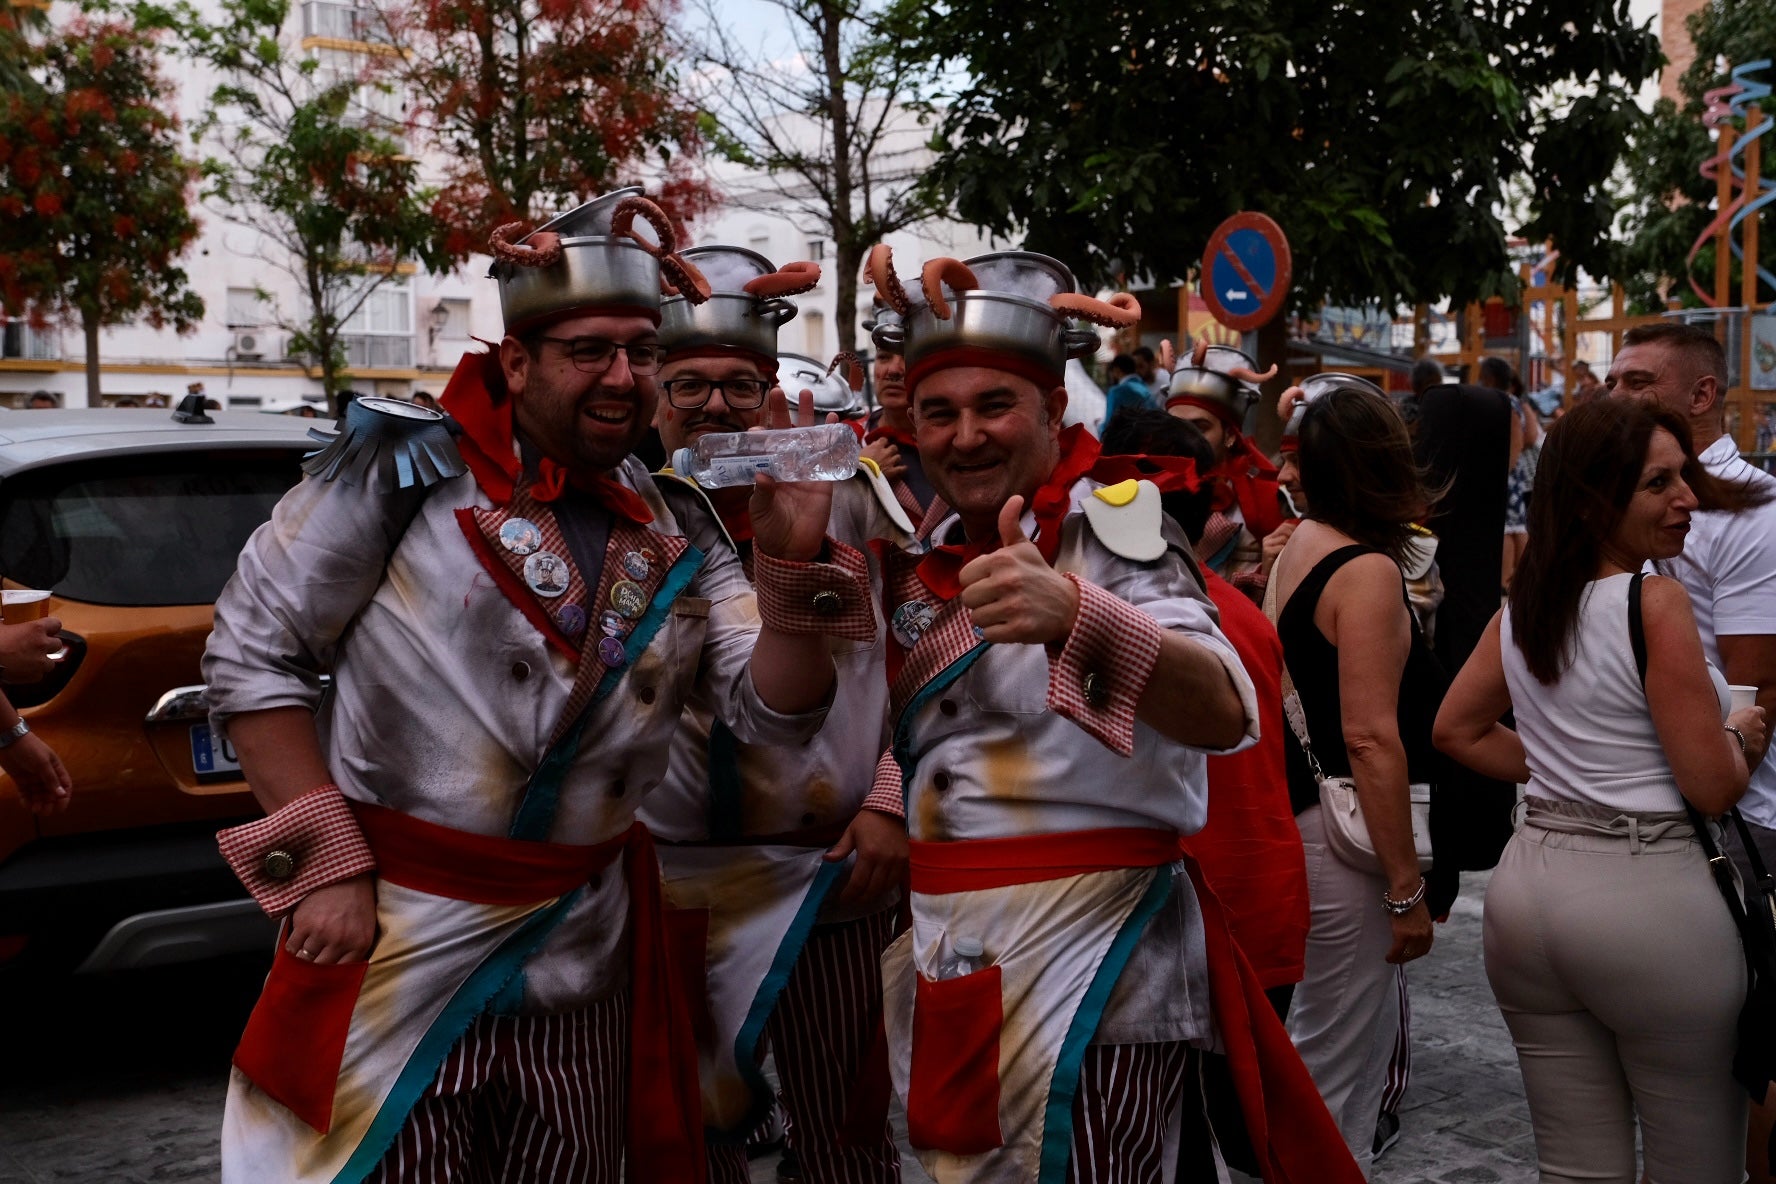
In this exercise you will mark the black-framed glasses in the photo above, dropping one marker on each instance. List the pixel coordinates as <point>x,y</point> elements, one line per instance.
<point>593,355</point>
<point>742,394</point>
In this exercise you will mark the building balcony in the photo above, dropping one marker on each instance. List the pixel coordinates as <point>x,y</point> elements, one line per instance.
<point>342,22</point>
<point>19,340</point>
<point>378,351</point>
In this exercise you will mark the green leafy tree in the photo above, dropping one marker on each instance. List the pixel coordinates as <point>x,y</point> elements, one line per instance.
<point>301,158</point>
<point>94,209</point>
<point>18,20</point>
<point>1381,136</point>
<point>1670,203</point>
<point>835,144</point>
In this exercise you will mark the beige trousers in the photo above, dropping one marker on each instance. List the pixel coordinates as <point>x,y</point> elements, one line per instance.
<point>1346,1012</point>
<point>1620,975</point>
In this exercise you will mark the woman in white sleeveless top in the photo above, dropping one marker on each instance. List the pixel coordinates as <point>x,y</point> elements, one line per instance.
<point>1608,946</point>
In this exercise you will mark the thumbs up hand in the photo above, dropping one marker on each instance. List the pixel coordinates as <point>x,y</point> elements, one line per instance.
<point>1012,594</point>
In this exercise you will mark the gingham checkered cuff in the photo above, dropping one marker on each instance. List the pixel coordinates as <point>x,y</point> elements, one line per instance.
<point>307,844</point>
<point>1102,670</point>
<point>886,793</point>
<point>831,598</point>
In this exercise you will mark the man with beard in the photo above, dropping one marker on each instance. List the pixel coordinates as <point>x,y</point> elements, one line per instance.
<point>1056,682</point>
<point>472,977</point>
<point>1213,395</point>
<point>787,885</point>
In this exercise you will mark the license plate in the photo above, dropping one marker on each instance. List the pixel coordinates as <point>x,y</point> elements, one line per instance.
<point>211,757</point>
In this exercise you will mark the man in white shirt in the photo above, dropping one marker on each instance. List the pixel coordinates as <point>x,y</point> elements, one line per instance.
<point>1729,563</point>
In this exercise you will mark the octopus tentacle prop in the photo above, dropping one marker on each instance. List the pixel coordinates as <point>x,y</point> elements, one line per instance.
<point>1119,312</point>
<point>1247,374</point>
<point>675,270</point>
<point>940,271</point>
<point>540,250</point>
<point>1286,402</point>
<point>853,368</point>
<point>1168,358</point>
<point>1200,354</point>
<point>880,271</point>
<point>792,279</point>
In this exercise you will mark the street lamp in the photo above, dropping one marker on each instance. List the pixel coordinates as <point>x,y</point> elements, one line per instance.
<point>437,319</point>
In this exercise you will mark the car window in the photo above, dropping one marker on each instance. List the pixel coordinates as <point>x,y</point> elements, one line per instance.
<point>150,530</point>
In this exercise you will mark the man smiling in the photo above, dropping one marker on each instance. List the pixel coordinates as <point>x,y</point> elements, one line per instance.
<point>1056,681</point>
<point>787,883</point>
<point>472,978</point>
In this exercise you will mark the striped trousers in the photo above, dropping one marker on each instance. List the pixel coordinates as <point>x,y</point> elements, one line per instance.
<point>1125,1116</point>
<point>538,1098</point>
<point>821,1033</point>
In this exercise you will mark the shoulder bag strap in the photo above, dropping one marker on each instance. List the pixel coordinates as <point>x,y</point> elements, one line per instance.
<point>1717,862</point>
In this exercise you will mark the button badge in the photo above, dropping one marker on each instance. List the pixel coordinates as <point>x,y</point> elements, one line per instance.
<point>520,536</point>
<point>911,622</point>
<point>546,573</point>
<point>628,598</point>
<point>637,566</point>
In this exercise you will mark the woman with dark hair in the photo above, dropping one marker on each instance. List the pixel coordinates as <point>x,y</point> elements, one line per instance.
<point>1368,688</point>
<point>1609,950</point>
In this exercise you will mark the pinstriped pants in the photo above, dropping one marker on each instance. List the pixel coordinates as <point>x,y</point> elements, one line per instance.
<point>1126,1114</point>
<point>821,1032</point>
<point>538,1098</point>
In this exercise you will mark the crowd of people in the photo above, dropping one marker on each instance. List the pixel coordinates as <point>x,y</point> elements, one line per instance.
<point>1090,793</point>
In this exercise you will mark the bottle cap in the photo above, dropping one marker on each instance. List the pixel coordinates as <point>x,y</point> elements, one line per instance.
<point>967,947</point>
<point>682,460</point>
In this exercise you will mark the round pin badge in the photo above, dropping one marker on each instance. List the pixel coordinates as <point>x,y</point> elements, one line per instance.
<point>612,623</point>
<point>610,651</point>
<point>546,573</point>
<point>637,565</point>
<point>572,619</point>
<point>520,536</point>
<point>628,599</point>
<point>911,620</point>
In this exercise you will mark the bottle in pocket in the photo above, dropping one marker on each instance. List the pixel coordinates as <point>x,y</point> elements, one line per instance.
<point>965,957</point>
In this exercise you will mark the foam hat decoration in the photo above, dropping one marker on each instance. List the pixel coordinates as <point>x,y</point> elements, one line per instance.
<point>1008,310</point>
<point>589,259</point>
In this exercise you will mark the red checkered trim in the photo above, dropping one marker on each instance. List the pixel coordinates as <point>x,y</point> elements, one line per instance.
<point>319,834</point>
<point>790,595</point>
<point>1110,654</point>
<point>886,793</point>
<point>1251,581</point>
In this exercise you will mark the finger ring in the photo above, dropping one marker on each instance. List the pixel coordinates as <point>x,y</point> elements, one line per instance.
<point>304,954</point>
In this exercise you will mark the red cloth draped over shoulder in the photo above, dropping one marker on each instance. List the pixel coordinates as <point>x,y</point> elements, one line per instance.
<point>1250,850</point>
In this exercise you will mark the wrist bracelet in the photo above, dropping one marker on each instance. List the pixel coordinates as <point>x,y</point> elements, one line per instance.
<point>1739,736</point>
<point>1400,908</point>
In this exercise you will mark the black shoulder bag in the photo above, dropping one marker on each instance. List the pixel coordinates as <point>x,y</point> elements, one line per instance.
<point>1754,1060</point>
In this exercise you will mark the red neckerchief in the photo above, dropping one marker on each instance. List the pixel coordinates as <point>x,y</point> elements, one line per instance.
<point>1173,474</point>
<point>738,522</point>
<point>882,431</point>
<point>1243,465</point>
<point>941,569</point>
<point>476,399</point>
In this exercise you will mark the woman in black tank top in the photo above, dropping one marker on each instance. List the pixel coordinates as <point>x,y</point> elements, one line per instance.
<point>1348,641</point>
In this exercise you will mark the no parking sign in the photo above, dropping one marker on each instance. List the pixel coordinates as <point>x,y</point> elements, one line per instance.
<point>1246,271</point>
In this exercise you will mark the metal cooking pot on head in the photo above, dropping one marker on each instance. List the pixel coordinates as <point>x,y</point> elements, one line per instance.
<point>595,268</point>
<point>798,372</point>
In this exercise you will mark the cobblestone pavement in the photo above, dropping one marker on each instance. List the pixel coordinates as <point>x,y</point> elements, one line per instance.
<point>120,1080</point>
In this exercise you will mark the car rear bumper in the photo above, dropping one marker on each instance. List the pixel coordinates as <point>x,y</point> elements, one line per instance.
<point>132,898</point>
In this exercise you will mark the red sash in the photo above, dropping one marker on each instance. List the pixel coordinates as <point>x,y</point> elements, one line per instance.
<point>1288,1123</point>
<point>665,1109</point>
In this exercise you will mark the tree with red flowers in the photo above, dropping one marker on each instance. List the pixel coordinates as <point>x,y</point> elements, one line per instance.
<point>93,189</point>
<point>535,105</point>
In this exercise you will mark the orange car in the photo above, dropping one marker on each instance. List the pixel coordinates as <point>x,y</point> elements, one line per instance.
<point>134,521</point>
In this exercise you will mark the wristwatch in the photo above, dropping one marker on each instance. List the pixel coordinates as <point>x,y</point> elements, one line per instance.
<point>14,734</point>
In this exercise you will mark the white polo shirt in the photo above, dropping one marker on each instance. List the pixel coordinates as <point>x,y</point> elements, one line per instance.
<point>1729,567</point>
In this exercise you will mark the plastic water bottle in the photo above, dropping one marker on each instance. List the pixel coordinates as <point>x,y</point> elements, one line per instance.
<point>965,958</point>
<point>825,452</point>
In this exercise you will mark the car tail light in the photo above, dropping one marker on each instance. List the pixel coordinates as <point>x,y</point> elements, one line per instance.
<point>35,694</point>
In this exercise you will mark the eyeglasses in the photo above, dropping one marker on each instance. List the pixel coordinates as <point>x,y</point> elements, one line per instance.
<point>742,394</point>
<point>594,355</point>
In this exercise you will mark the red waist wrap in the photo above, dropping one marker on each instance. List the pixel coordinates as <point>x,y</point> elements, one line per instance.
<point>665,1108</point>
<point>1289,1126</point>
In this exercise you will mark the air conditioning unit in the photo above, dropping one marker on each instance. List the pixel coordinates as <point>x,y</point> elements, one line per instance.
<point>249,345</point>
